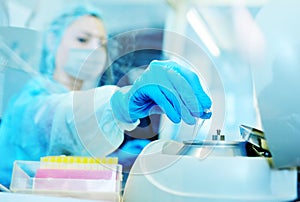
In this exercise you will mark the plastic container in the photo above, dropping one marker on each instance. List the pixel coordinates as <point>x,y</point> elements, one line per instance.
<point>24,180</point>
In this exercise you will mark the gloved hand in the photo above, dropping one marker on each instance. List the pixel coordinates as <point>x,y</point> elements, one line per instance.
<point>135,147</point>
<point>165,87</point>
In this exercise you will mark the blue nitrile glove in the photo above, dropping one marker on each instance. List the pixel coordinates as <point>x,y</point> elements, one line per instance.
<point>164,87</point>
<point>135,146</point>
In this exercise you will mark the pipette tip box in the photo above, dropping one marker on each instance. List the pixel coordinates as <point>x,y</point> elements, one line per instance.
<point>78,177</point>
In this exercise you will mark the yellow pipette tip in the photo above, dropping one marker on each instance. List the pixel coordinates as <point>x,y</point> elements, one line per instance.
<point>79,159</point>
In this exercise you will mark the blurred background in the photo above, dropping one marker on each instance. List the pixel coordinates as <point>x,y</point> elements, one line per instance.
<point>119,15</point>
<point>217,38</point>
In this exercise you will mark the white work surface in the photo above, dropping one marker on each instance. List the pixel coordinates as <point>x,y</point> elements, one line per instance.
<point>13,197</point>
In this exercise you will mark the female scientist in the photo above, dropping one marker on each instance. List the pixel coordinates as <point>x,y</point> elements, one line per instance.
<point>58,113</point>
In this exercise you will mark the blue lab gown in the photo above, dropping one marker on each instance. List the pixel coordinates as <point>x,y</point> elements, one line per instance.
<point>47,119</point>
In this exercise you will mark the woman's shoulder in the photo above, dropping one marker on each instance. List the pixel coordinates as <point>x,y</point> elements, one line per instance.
<point>44,85</point>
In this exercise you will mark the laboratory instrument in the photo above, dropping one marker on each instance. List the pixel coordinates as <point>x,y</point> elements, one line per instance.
<point>210,170</point>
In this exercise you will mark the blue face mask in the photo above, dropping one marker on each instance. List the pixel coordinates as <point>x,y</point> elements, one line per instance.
<point>85,64</point>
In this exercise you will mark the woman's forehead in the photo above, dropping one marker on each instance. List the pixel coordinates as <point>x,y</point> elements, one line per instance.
<point>88,25</point>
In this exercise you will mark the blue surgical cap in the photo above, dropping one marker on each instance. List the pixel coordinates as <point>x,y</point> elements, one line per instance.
<point>55,31</point>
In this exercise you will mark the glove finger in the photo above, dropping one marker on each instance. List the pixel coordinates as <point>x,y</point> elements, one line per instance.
<point>206,115</point>
<point>179,105</point>
<point>190,105</point>
<point>193,80</point>
<point>180,90</point>
<point>168,103</point>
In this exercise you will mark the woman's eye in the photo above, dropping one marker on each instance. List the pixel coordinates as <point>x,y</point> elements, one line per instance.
<point>102,42</point>
<point>82,40</point>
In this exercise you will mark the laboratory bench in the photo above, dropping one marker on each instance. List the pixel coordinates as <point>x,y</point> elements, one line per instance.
<point>16,197</point>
